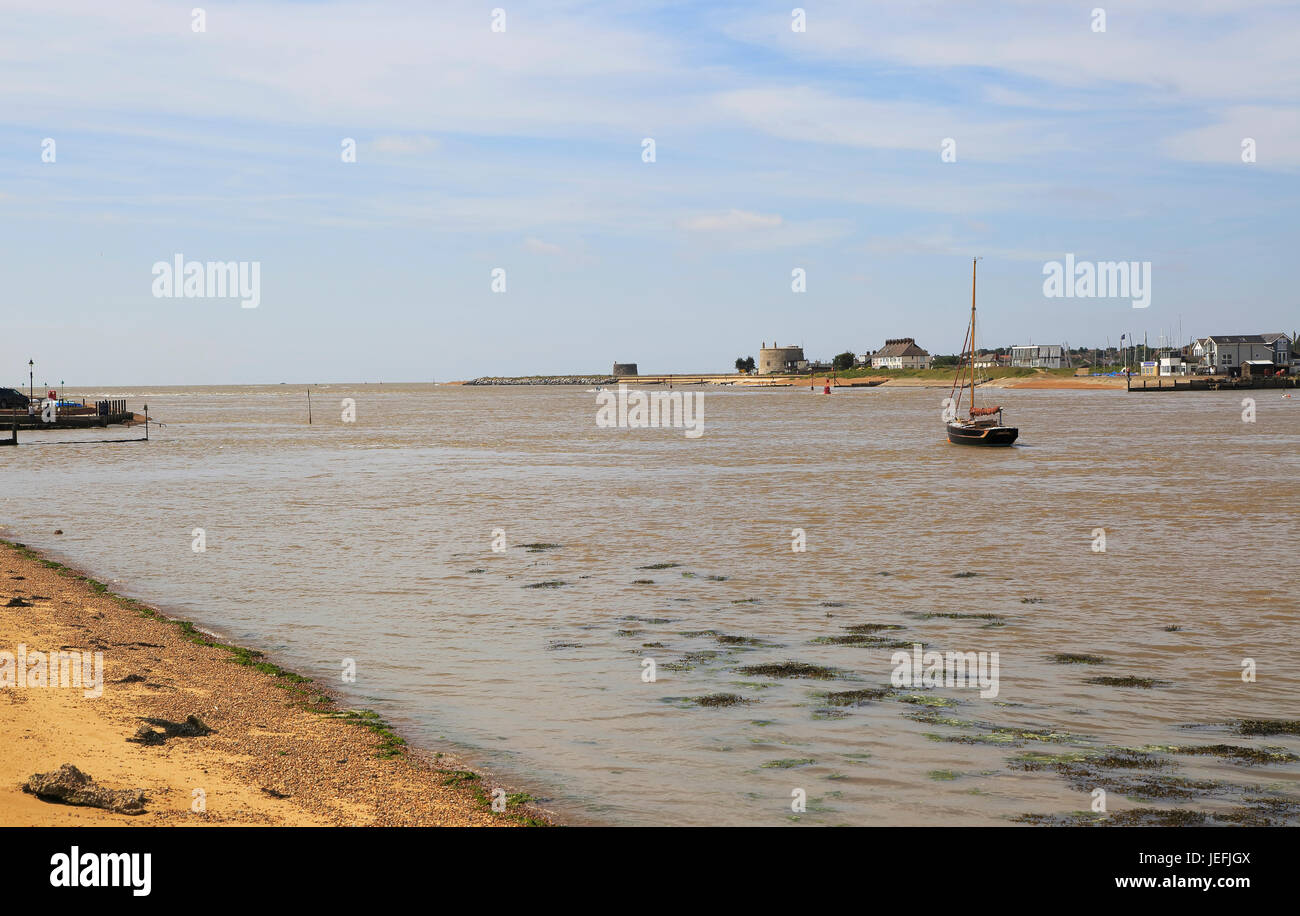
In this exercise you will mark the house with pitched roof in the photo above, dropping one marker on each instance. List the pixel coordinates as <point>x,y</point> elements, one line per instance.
<point>1224,354</point>
<point>900,353</point>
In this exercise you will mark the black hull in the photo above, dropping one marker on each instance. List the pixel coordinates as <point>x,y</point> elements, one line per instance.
<point>982,435</point>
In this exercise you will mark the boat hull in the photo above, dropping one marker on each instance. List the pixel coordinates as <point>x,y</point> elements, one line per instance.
<point>989,436</point>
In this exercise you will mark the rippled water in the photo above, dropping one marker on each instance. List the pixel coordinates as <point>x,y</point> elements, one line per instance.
<point>373,541</point>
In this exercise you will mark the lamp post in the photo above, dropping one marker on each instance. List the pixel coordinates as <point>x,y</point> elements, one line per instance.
<point>31,386</point>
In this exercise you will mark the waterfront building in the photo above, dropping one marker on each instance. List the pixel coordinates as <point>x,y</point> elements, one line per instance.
<point>900,353</point>
<point>1038,356</point>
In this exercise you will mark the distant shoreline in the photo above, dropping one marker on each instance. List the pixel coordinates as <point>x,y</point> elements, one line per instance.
<point>1041,381</point>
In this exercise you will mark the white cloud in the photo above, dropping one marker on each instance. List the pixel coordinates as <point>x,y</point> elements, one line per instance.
<point>1276,132</point>
<point>815,116</point>
<point>540,247</point>
<point>730,221</point>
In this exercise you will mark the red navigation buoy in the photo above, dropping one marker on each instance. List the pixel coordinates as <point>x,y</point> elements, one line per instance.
<point>826,390</point>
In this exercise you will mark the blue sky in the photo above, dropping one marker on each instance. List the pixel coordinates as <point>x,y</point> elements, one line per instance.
<point>522,150</point>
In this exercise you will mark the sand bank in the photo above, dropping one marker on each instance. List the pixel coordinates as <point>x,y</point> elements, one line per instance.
<point>282,750</point>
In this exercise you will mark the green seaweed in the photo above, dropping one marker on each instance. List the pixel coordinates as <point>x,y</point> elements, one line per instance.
<point>1268,727</point>
<point>722,699</point>
<point>1144,683</point>
<point>791,669</point>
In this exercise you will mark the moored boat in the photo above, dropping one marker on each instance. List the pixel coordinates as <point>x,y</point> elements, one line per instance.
<point>982,425</point>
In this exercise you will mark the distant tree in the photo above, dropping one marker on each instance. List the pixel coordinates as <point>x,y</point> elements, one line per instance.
<point>940,362</point>
<point>745,364</point>
<point>844,361</point>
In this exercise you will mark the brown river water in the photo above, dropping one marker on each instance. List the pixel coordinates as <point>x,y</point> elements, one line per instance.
<point>372,541</point>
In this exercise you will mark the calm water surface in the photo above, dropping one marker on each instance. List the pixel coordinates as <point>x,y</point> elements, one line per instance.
<point>373,541</point>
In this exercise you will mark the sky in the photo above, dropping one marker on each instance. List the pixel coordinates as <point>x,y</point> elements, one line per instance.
<point>523,150</point>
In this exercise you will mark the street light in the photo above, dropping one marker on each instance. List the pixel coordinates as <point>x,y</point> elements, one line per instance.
<point>31,387</point>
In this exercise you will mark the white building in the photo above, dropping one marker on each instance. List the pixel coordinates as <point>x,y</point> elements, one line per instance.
<point>1038,356</point>
<point>1224,354</point>
<point>900,353</point>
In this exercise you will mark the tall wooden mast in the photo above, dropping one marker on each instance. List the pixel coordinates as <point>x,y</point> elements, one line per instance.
<point>972,331</point>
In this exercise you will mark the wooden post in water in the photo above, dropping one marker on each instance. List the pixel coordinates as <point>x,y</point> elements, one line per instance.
<point>146,423</point>
<point>309,407</point>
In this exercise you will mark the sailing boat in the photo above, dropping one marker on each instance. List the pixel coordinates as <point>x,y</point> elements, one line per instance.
<point>983,425</point>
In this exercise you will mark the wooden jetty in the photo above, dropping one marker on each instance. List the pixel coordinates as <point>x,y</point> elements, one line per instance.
<point>79,416</point>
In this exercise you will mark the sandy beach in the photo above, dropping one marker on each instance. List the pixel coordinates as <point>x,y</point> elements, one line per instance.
<point>280,750</point>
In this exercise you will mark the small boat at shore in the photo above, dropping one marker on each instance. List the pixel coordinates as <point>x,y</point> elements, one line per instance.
<point>982,425</point>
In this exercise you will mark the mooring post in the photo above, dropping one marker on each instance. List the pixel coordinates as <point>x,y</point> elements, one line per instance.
<point>146,423</point>
<point>309,407</point>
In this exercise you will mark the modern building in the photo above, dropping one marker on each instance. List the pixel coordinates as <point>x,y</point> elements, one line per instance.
<point>1224,354</point>
<point>1173,365</point>
<point>776,360</point>
<point>900,353</point>
<point>1038,356</point>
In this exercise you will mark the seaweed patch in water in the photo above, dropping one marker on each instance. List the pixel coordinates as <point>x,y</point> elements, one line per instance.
<point>738,640</point>
<point>1101,769</point>
<point>863,640</point>
<point>1134,817</point>
<point>1071,658</point>
<point>921,699</point>
<point>722,699</point>
<point>689,660</point>
<point>872,627</point>
<point>788,763</point>
<point>1145,683</point>
<point>791,669</point>
<point>1249,756</point>
<point>828,712</point>
<point>1268,727</point>
<point>854,697</point>
<point>660,566</point>
<point>1263,812</point>
<point>538,547</point>
<point>953,615</point>
<point>552,583</point>
<point>643,581</point>
<point>964,575</point>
